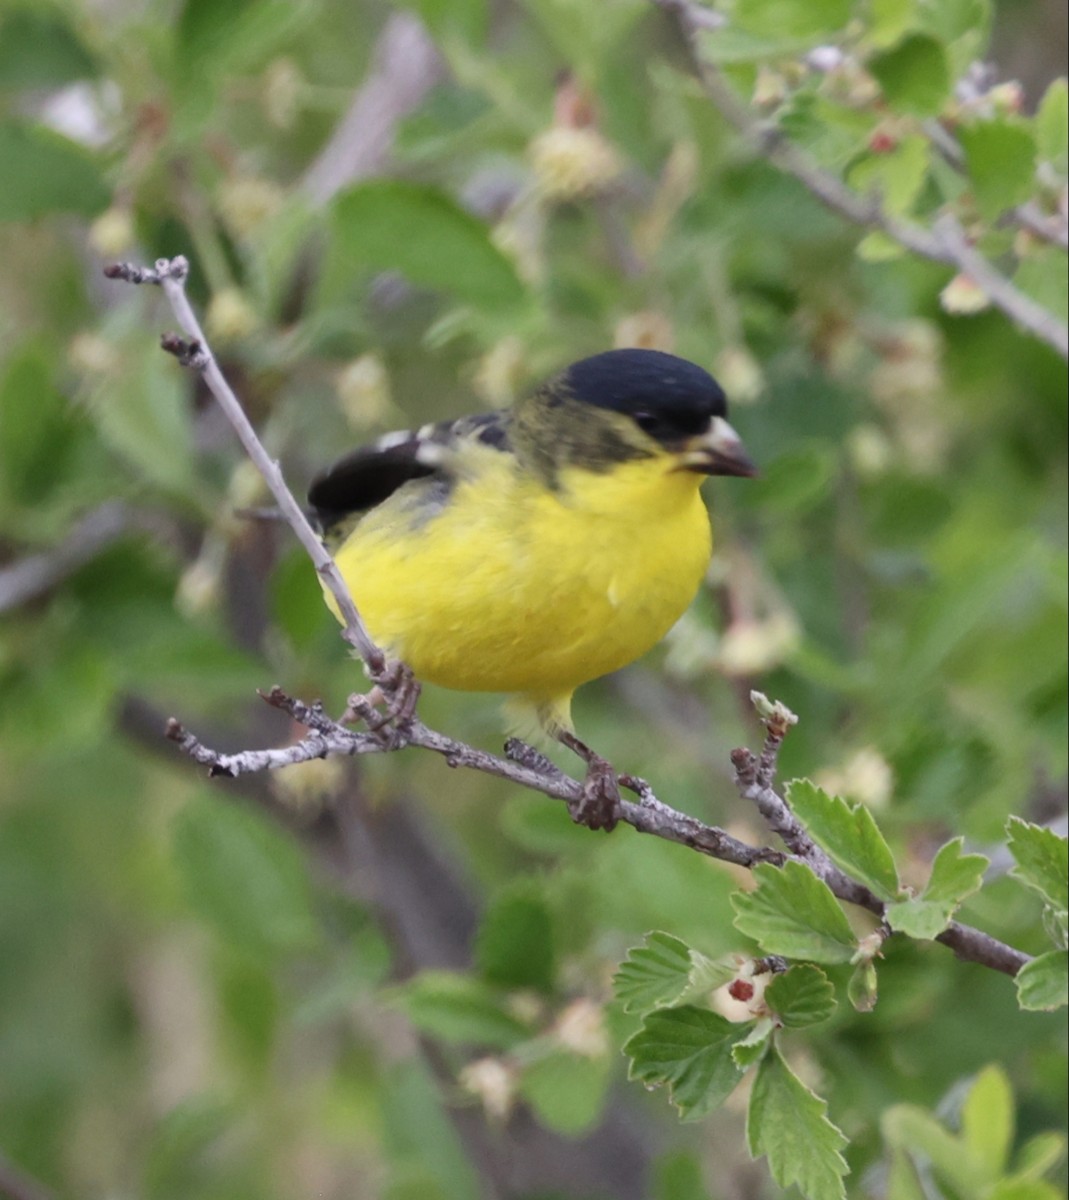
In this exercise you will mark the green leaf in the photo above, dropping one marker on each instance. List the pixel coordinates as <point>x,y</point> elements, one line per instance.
<point>36,424</point>
<point>1024,1189</point>
<point>801,996</point>
<point>914,76</point>
<point>751,1049</point>
<point>459,1008</point>
<point>420,232</point>
<point>793,913</point>
<point>953,877</point>
<point>987,1121</point>
<point>1052,124</point>
<point>690,1050</point>
<point>791,18</point>
<point>915,1130</point>
<point>515,943</point>
<point>786,1123</point>
<point>44,173</point>
<point>216,36</point>
<point>653,974</point>
<point>566,1091</point>
<point>1000,157</point>
<point>1042,276</point>
<point>1039,1155</point>
<point>245,877</point>
<point>678,1176</point>
<point>664,970</point>
<point>918,918</point>
<point>1042,861</point>
<point>468,18</point>
<point>145,417</point>
<point>849,835</point>
<point>40,50</point>
<point>796,480</point>
<point>897,176</point>
<point>1043,984</point>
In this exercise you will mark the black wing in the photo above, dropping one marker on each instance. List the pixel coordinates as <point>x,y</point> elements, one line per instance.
<point>368,476</point>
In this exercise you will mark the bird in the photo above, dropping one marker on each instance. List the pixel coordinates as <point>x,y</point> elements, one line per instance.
<point>532,549</point>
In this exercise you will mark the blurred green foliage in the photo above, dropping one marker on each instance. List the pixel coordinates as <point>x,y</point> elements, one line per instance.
<point>212,993</point>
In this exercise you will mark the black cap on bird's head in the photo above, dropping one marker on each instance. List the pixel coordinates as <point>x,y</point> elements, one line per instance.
<point>673,401</point>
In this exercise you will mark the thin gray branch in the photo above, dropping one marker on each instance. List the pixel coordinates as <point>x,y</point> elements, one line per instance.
<point>939,244</point>
<point>170,275</point>
<point>529,769</point>
<point>406,65</point>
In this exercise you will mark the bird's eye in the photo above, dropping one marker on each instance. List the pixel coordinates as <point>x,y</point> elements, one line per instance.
<point>647,422</point>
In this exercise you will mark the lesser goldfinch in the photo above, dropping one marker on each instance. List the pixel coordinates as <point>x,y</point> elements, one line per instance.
<point>532,549</point>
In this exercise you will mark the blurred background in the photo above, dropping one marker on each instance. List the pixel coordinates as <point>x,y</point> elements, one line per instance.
<point>387,979</point>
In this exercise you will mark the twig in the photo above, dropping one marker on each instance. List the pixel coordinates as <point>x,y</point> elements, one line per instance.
<point>170,275</point>
<point>529,769</point>
<point>940,244</point>
<point>406,65</point>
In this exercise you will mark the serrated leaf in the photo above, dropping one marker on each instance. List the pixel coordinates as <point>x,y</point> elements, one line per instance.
<point>514,947</point>
<point>914,75</point>
<point>793,913</point>
<point>459,1008</point>
<point>44,172</point>
<point>372,229</point>
<point>1000,157</point>
<point>786,1123</point>
<point>1043,984</point>
<point>665,970</point>
<point>802,996</point>
<point>653,974</point>
<point>1042,859</point>
<point>566,1091</point>
<point>690,1050</point>
<point>987,1121</point>
<point>848,834</point>
<point>1056,924</point>
<point>751,1049</point>
<point>918,918</point>
<point>244,877</point>
<point>955,875</point>
<point>1052,124</point>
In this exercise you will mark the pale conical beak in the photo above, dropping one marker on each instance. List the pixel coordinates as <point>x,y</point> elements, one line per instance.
<point>719,451</point>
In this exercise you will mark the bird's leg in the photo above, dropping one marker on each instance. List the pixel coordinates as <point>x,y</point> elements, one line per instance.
<point>396,690</point>
<point>599,805</point>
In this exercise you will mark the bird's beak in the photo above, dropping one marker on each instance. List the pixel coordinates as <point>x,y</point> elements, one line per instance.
<point>719,451</point>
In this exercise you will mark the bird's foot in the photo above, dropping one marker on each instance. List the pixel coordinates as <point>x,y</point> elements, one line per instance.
<point>388,709</point>
<point>598,806</point>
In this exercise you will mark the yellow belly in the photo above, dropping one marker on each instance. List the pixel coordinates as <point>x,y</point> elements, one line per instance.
<point>511,588</point>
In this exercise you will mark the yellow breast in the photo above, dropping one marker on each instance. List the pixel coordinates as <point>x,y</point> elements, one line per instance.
<point>510,587</point>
